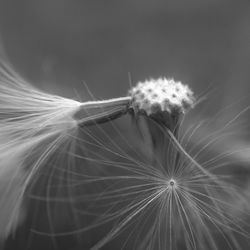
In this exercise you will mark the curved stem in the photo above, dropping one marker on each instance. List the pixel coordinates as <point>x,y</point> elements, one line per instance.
<point>96,112</point>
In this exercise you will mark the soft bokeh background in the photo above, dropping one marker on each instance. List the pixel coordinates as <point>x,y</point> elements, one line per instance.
<point>58,45</point>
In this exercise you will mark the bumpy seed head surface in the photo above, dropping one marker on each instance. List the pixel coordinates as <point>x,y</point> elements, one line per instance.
<point>161,94</point>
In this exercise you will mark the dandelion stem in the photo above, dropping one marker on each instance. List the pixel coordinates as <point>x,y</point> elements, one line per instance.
<point>103,111</point>
<point>120,101</point>
<point>103,117</point>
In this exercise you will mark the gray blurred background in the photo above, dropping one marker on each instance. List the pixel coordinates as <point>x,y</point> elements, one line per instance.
<point>59,44</point>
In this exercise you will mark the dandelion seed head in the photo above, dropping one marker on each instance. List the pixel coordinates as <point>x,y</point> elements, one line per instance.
<point>161,94</point>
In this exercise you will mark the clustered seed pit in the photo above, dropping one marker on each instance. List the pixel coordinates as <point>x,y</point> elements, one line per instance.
<point>161,94</point>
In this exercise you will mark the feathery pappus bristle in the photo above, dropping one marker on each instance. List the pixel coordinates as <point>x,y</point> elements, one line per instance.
<point>30,120</point>
<point>33,125</point>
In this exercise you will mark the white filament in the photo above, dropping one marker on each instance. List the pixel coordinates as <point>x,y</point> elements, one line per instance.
<point>29,120</point>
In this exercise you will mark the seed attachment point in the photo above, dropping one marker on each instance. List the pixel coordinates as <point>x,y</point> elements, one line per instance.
<point>172,183</point>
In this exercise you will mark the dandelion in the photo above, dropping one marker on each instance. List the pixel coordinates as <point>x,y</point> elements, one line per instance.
<point>136,188</point>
